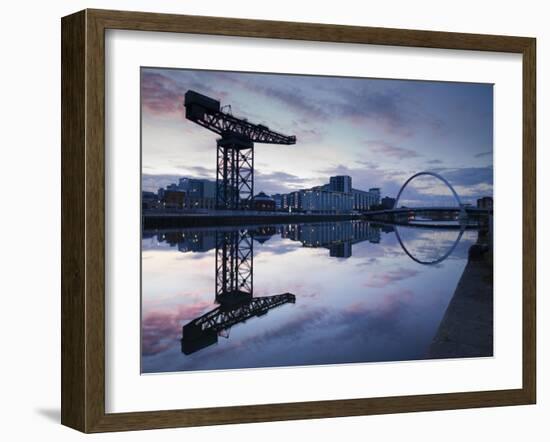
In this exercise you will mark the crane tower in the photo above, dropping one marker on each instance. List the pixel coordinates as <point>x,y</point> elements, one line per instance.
<point>235,148</point>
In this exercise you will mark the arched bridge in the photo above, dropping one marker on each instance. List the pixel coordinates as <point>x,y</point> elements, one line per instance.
<point>464,211</point>
<point>433,174</point>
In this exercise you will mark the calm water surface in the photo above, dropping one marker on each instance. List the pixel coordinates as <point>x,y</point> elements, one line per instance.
<point>302,294</point>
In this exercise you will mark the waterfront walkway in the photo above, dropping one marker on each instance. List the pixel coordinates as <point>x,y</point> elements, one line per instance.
<point>467,327</point>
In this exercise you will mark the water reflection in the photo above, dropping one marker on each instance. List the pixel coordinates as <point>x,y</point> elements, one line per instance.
<point>427,252</point>
<point>234,293</point>
<point>365,300</point>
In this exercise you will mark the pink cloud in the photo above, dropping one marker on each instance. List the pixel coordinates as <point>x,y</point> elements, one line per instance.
<point>160,327</point>
<point>161,95</point>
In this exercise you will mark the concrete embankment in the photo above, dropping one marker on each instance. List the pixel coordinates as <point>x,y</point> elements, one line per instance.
<point>161,220</point>
<point>467,326</point>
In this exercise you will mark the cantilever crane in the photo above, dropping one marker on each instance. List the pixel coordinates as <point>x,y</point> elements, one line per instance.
<point>235,148</point>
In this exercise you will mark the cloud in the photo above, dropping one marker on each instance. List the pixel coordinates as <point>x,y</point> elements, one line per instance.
<point>198,171</point>
<point>390,150</point>
<point>163,91</point>
<point>320,99</point>
<point>160,94</point>
<point>291,97</point>
<point>277,182</point>
<point>386,105</point>
<point>434,162</point>
<point>468,176</point>
<point>306,132</point>
<point>295,92</point>
<point>361,104</point>
<point>369,164</point>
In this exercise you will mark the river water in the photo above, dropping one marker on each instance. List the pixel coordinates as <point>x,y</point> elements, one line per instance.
<point>295,294</point>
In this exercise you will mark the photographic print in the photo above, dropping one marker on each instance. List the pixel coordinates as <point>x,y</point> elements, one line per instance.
<point>303,220</point>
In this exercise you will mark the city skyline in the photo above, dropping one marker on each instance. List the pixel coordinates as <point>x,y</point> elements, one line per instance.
<point>379,132</point>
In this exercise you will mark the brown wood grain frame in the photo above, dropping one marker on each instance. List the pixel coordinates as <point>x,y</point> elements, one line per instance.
<point>83,220</point>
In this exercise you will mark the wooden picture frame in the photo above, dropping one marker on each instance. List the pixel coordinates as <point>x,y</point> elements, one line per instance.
<point>83,220</point>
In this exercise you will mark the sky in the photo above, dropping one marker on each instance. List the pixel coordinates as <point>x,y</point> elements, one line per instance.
<point>378,131</point>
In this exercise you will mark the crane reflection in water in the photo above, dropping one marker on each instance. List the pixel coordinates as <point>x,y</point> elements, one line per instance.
<point>234,302</point>
<point>234,293</point>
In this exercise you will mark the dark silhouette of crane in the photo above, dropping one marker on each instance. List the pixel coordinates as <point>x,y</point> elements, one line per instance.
<point>234,293</point>
<point>235,148</point>
<point>204,331</point>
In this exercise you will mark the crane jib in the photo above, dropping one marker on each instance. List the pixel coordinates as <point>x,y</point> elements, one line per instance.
<point>206,112</point>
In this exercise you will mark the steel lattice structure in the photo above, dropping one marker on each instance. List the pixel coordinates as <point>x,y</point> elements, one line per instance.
<point>234,266</point>
<point>235,148</point>
<point>234,293</point>
<point>224,317</point>
<point>234,173</point>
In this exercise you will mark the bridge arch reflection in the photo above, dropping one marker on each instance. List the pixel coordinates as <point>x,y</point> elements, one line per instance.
<point>435,261</point>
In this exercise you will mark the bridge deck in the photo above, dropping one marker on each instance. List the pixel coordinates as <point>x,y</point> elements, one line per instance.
<point>428,209</point>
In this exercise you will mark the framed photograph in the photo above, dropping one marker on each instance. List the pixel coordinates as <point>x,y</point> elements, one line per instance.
<point>267,220</point>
